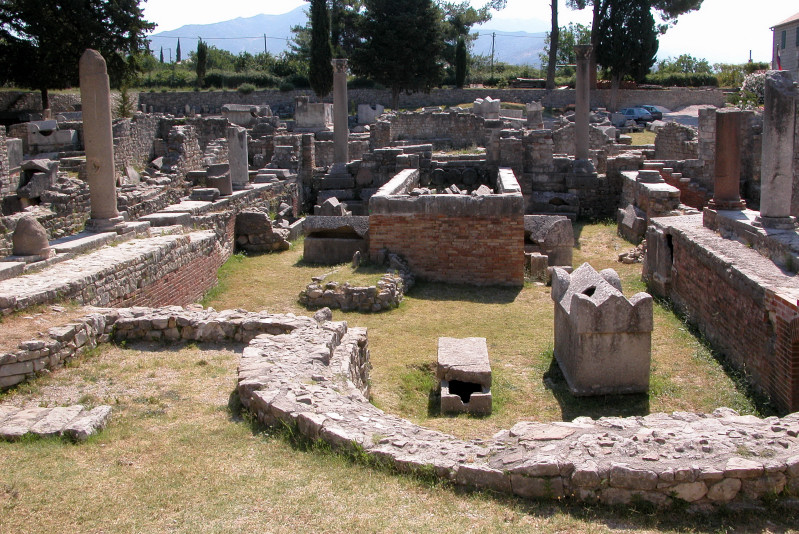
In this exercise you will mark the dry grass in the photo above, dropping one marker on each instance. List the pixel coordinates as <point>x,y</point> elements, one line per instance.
<point>178,457</point>
<point>643,138</point>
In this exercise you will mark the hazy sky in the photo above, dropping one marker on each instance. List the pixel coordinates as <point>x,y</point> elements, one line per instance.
<point>721,31</point>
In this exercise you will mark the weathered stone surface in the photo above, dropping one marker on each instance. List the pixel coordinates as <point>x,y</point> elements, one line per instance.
<point>88,423</point>
<point>53,423</point>
<point>464,359</point>
<point>724,490</point>
<point>30,238</point>
<point>19,424</point>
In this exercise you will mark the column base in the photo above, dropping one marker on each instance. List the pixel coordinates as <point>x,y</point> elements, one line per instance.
<point>731,205</point>
<point>583,166</point>
<point>778,223</point>
<point>241,186</point>
<point>113,224</point>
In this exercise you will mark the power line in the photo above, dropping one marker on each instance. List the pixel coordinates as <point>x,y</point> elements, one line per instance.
<point>217,38</point>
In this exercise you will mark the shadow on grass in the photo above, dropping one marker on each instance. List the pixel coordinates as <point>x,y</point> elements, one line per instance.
<point>636,516</point>
<point>439,291</point>
<point>594,407</point>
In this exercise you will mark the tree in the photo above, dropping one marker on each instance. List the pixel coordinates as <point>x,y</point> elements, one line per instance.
<point>202,62</point>
<point>686,64</point>
<point>628,42</point>
<point>161,57</point>
<point>41,42</point>
<point>460,63</point>
<point>457,21</point>
<point>345,15</point>
<point>320,69</point>
<point>668,10</point>
<point>554,36</point>
<point>568,37</point>
<point>177,53</point>
<point>402,45</point>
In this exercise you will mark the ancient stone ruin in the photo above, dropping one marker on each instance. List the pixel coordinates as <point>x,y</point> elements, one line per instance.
<point>464,375</point>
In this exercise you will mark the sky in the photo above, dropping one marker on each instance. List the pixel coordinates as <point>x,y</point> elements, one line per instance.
<point>722,31</point>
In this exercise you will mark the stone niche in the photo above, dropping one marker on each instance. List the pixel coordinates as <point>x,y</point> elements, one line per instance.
<point>602,340</point>
<point>334,240</point>
<point>464,375</point>
<point>458,238</point>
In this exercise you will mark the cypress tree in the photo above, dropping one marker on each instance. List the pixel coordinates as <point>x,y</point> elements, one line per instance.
<point>320,74</point>
<point>460,62</point>
<point>202,62</point>
<point>162,55</point>
<point>177,53</point>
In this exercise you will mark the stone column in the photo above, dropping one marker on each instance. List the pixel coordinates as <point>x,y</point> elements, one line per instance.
<point>582,106</point>
<point>237,156</point>
<point>340,115</point>
<point>779,122</point>
<point>727,174</point>
<point>98,140</point>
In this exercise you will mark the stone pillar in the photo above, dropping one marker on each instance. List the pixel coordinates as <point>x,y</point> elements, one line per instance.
<point>779,122</point>
<point>340,115</point>
<point>582,106</point>
<point>98,140</point>
<point>237,156</point>
<point>727,174</point>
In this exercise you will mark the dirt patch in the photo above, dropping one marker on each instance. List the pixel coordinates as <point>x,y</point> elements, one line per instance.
<point>34,323</point>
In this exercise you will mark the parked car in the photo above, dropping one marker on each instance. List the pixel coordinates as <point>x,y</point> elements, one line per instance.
<point>639,115</point>
<point>655,112</point>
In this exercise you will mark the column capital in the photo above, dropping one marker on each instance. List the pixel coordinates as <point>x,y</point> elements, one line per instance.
<point>339,65</point>
<point>583,51</point>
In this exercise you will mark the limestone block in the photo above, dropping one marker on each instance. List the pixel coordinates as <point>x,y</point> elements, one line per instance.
<point>88,423</point>
<point>30,238</point>
<point>464,373</point>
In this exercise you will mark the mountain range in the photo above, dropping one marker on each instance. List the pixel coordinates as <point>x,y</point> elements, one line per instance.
<point>273,33</point>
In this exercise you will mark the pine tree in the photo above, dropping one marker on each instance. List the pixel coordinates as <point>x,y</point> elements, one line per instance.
<point>177,53</point>
<point>41,42</point>
<point>402,45</point>
<point>161,58</point>
<point>460,62</point>
<point>320,74</point>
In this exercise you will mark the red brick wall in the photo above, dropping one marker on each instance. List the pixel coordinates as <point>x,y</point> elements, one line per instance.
<point>472,250</point>
<point>756,329</point>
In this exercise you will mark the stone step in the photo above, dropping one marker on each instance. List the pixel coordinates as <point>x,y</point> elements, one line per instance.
<point>163,218</point>
<point>82,242</point>
<point>74,422</point>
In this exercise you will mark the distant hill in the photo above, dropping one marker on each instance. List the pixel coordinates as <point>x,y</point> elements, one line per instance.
<point>247,35</point>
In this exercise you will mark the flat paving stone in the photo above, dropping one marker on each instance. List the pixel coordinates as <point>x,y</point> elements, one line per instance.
<point>167,218</point>
<point>82,242</point>
<point>53,423</point>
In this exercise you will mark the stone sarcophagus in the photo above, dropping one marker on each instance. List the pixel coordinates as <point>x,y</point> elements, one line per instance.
<point>602,340</point>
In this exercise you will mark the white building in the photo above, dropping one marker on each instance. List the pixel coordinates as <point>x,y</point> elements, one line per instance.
<point>786,45</point>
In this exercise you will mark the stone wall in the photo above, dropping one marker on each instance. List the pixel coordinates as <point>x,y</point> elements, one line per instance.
<point>452,129</point>
<point>740,301</point>
<point>283,102</point>
<point>676,141</point>
<point>183,151</point>
<point>8,184</point>
<point>133,140</point>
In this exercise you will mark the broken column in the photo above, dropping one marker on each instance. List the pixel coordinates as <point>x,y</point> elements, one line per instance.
<point>237,157</point>
<point>602,340</point>
<point>582,106</point>
<point>340,114</point>
<point>464,375</point>
<point>779,122</point>
<point>727,174</point>
<point>98,139</point>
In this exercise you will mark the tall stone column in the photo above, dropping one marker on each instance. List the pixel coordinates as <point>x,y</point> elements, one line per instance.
<point>582,106</point>
<point>237,156</point>
<point>341,132</point>
<point>98,140</point>
<point>776,174</point>
<point>727,174</point>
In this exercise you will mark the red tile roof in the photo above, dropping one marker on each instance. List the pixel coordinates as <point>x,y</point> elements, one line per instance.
<point>789,20</point>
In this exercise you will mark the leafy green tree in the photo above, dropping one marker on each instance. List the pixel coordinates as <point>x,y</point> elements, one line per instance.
<point>569,36</point>
<point>41,42</point>
<point>402,45</point>
<point>177,53</point>
<point>460,62</point>
<point>345,16</point>
<point>457,21</point>
<point>668,10</point>
<point>686,64</point>
<point>216,59</point>
<point>202,62</point>
<point>628,41</point>
<point>320,69</point>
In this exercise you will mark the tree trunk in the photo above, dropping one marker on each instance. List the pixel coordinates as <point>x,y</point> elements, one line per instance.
<point>395,98</point>
<point>554,36</point>
<point>45,98</point>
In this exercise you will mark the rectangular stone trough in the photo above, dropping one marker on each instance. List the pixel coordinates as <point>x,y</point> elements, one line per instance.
<point>464,374</point>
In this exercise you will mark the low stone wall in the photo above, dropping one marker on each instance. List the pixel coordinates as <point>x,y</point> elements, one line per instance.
<point>283,102</point>
<point>742,302</point>
<point>314,377</point>
<point>456,238</point>
<point>453,129</point>
<point>134,139</point>
<point>676,141</point>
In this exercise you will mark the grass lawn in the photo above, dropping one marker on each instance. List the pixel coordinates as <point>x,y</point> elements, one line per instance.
<point>179,456</point>
<point>643,138</point>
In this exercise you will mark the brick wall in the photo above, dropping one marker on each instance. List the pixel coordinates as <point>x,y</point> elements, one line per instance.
<point>470,250</point>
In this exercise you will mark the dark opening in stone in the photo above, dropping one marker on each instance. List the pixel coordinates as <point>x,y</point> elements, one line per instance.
<point>589,291</point>
<point>464,390</point>
<point>557,201</point>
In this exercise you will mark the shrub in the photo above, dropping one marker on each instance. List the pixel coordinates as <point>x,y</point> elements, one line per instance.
<point>246,88</point>
<point>286,86</point>
<point>682,79</point>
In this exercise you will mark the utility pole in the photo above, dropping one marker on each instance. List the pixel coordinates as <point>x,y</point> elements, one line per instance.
<point>265,51</point>
<point>493,36</point>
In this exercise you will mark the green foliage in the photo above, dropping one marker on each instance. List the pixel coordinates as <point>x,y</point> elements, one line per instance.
<point>320,72</point>
<point>41,42</point>
<point>684,64</point>
<point>460,62</point>
<point>201,62</point>
<point>402,45</point>
<point>568,37</point>
<point>680,79</point>
<point>627,40</point>
<point>246,88</point>
<point>125,103</point>
<point>731,75</point>
<point>161,56</point>
<point>178,57</point>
